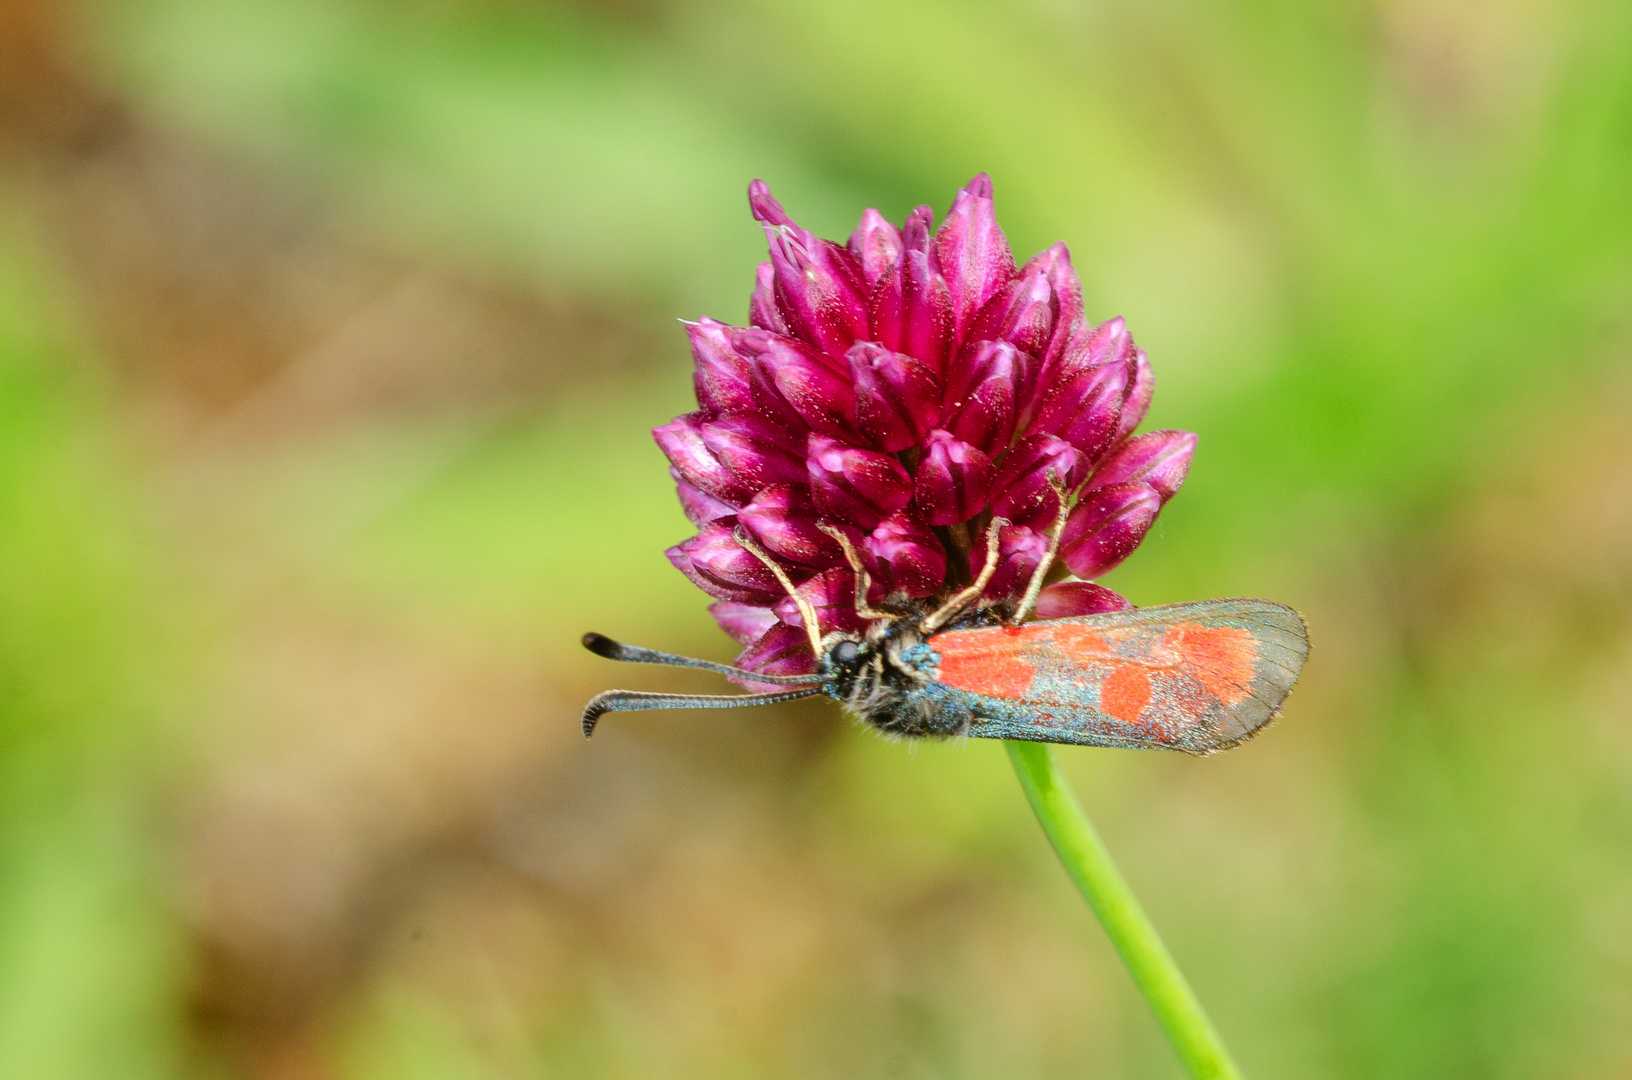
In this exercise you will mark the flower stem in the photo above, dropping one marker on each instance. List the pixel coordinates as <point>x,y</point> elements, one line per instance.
<point>1148,961</point>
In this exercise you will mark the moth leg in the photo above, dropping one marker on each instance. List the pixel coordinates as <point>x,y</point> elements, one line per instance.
<point>949,610</point>
<point>807,611</point>
<point>864,581</point>
<point>1035,586</point>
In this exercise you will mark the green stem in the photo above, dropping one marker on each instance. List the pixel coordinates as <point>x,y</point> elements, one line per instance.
<point>1148,961</point>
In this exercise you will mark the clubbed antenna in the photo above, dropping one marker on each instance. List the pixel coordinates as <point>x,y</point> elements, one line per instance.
<point>635,701</point>
<point>601,645</point>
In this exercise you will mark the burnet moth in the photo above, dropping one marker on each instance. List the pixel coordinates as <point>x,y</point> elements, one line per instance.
<point>1197,677</point>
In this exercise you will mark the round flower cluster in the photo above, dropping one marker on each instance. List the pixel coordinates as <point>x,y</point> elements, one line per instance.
<point>905,389</point>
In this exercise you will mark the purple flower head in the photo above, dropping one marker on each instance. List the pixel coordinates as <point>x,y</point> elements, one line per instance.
<point>900,392</point>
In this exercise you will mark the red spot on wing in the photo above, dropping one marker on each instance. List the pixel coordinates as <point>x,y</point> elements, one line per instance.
<point>1125,693</point>
<point>993,662</point>
<point>1220,658</point>
<point>1075,642</point>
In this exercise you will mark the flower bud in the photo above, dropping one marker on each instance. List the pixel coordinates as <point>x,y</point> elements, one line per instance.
<point>1055,265</point>
<point>682,441</point>
<point>876,246</point>
<point>1019,550</point>
<point>755,450</point>
<point>823,399</point>
<point>1023,493</point>
<point>765,208</point>
<point>1160,459</point>
<point>972,253</point>
<point>1067,599</point>
<point>1106,343</point>
<point>762,306</point>
<point>1141,387</point>
<point>858,487</point>
<point>819,290</point>
<point>719,566</point>
<point>721,376</point>
<point>911,309</point>
<point>783,519</point>
<point>906,556</point>
<point>980,395</point>
<point>1022,314</point>
<point>833,594</point>
<point>744,622</point>
<point>897,396</point>
<point>768,402</point>
<point>699,506</point>
<point>1084,408</point>
<point>1106,526</point>
<point>783,650</point>
<point>954,479</point>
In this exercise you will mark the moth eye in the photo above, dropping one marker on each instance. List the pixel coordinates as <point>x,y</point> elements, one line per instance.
<point>845,652</point>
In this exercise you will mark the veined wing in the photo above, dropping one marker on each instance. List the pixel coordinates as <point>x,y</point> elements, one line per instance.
<point>1195,677</point>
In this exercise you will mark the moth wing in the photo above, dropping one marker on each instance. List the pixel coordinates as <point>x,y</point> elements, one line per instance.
<point>1196,677</point>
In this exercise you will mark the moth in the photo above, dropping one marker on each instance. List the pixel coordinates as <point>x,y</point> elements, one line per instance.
<point>1195,677</point>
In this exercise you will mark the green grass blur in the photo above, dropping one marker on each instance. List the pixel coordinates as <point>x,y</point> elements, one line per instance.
<point>329,345</point>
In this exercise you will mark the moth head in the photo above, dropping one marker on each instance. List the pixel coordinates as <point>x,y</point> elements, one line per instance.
<point>844,653</point>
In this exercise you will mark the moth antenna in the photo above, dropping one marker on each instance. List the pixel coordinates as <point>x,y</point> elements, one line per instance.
<point>807,611</point>
<point>864,581</point>
<point>949,610</point>
<point>601,645</point>
<point>1035,586</point>
<point>635,701</point>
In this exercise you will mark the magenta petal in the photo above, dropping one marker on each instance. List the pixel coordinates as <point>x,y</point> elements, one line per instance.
<point>1023,495</point>
<point>762,307</point>
<point>833,594</point>
<point>876,246</point>
<point>911,308</point>
<point>1019,552</point>
<point>752,342</point>
<point>819,289</point>
<point>754,450</point>
<point>699,506</point>
<point>906,556</point>
<point>721,375</point>
<point>1084,408</point>
<point>1087,347</point>
<point>822,399</point>
<point>1140,390</point>
<point>954,479</point>
<point>1055,265</point>
<point>783,519</point>
<point>855,486</point>
<point>715,553</point>
<point>682,440</point>
<point>897,396</point>
<point>783,650</point>
<point>1022,314</point>
<point>744,622</point>
<point>711,564</point>
<point>1160,459</point>
<point>1104,344</point>
<point>766,210</point>
<point>1106,526</point>
<point>979,403</point>
<point>765,352</point>
<point>972,253</point>
<point>1067,599</point>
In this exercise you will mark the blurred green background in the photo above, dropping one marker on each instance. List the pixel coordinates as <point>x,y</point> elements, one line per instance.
<point>330,336</point>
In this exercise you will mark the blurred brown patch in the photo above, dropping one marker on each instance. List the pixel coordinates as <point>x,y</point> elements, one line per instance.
<point>223,293</point>
<point>376,803</point>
